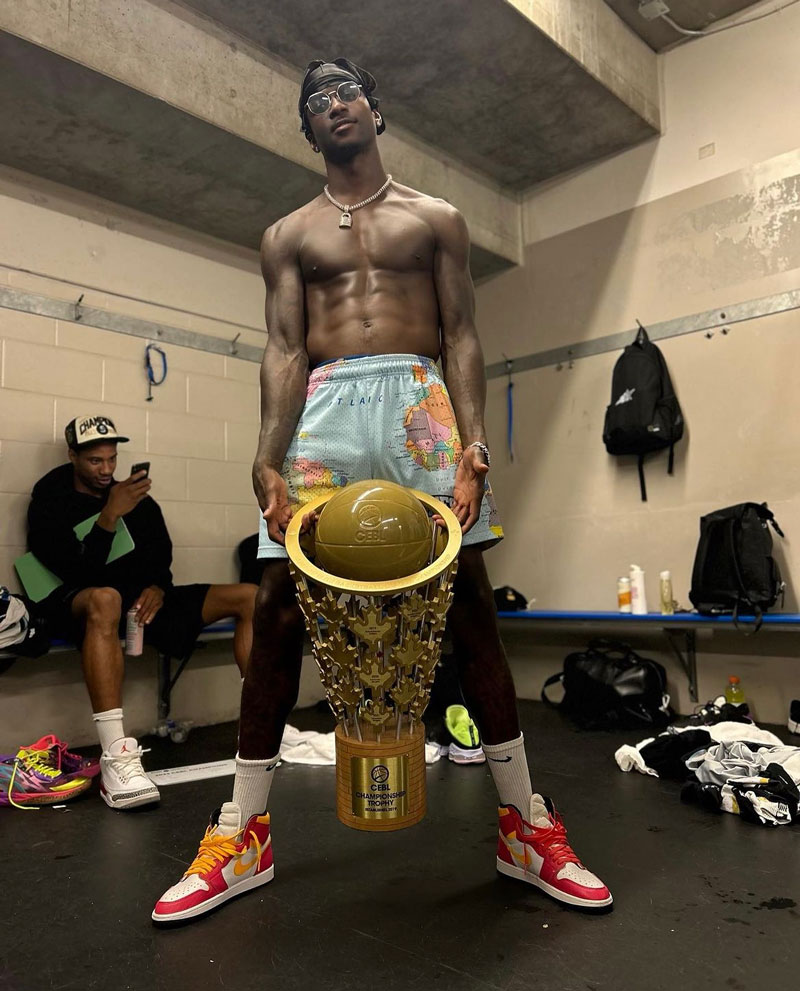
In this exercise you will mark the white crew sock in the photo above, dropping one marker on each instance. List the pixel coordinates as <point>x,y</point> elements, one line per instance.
<point>109,727</point>
<point>509,767</point>
<point>251,785</point>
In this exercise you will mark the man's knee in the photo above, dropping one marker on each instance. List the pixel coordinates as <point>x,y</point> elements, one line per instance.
<point>103,606</point>
<point>245,600</point>
<point>276,610</point>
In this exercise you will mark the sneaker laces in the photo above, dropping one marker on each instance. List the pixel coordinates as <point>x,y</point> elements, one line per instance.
<point>38,762</point>
<point>554,840</point>
<point>16,805</point>
<point>55,749</point>
<point>128,765</point>
<point>215,848</point>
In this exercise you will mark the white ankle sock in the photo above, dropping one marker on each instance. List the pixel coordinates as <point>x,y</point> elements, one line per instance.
<point>251,785</point>
<point>509,768</point>
<point>109,727</point>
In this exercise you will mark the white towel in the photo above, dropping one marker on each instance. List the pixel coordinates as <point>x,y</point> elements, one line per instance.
<point>319,749</point>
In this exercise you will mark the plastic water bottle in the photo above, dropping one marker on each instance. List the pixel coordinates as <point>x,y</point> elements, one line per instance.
<point>638,596</point>
<point>734,692</point>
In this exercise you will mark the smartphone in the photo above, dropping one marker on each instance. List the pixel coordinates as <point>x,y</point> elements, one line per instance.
<point>142,466</point>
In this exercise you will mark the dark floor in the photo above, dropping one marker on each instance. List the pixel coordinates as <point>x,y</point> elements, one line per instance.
<point>702,901</point>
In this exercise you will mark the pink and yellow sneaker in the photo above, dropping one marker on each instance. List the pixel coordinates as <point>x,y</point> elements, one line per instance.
<point>232,859</point>
<point>27,778</point>
<point>66,763</point>
<point>540,854</point>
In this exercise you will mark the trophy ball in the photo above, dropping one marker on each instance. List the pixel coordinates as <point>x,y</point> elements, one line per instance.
<point>373,531</point>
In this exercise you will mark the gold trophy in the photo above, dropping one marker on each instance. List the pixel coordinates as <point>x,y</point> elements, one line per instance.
<point>375,580</point>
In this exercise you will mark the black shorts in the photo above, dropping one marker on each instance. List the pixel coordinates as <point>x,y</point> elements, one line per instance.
<point>174,630</point>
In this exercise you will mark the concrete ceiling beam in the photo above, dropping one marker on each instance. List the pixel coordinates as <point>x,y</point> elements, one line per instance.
<point>171,55</point>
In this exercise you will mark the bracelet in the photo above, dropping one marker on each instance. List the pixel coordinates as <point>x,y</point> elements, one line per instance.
<point>483,449</point>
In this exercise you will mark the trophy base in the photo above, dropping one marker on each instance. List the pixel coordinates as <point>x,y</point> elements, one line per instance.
<point>380,786</point>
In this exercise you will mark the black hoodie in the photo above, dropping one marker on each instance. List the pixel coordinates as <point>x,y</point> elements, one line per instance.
<point>56,507</point>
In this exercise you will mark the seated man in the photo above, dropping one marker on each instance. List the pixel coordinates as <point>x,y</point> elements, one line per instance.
<point>91,604</point>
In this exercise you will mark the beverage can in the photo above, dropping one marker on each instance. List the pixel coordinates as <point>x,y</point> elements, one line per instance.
<point>624,594</point>
<point>134,634</point>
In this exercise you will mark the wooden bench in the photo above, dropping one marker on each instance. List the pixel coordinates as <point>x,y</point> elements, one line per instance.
<point>680,629</point>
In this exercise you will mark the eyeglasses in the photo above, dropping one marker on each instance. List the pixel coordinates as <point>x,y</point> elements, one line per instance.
<point>346,92</point>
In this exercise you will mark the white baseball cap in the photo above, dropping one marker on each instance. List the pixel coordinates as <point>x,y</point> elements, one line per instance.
<point>96,429</point>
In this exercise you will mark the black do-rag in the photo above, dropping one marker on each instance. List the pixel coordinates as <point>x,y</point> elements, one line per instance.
<point>320,75</point>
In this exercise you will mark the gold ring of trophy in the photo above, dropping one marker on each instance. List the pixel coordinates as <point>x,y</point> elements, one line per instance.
<point>374,581</point>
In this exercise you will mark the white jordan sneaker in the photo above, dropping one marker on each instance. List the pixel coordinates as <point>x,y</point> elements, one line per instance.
<point>123,782</point>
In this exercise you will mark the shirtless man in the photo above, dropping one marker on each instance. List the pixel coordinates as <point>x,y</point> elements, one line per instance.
<point>361,302</point>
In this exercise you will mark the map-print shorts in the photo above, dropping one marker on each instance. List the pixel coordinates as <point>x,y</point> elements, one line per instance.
<point>380,416</point>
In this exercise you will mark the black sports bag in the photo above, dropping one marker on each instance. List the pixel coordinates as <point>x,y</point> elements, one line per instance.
<point>609,686</point>
<point>734,570</point>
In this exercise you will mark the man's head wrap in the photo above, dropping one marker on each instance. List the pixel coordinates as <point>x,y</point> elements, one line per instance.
<point>321,75</point>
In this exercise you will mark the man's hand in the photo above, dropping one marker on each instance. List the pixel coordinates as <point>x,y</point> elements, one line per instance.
<point>148,604</point>
<point>468,488</point>
<point>123,497</point>
<point>273,498</point>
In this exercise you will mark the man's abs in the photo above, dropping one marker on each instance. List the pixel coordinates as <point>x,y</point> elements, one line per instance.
<point>372,313</point>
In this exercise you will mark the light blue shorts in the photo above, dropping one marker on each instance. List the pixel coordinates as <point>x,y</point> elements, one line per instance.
<point>379,416</point>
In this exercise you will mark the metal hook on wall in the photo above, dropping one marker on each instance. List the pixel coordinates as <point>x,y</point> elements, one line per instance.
<point>148,364</point>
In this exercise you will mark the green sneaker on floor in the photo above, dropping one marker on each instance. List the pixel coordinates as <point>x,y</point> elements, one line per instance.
<point>465,746</point>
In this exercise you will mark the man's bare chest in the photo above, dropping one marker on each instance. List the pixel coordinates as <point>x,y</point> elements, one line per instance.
<point>380,240</point>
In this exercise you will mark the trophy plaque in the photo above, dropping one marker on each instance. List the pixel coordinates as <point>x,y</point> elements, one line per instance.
<point>376,628</point>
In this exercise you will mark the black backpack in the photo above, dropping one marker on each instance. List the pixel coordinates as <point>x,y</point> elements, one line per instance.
<point>644,414</point>
<point>733,568</point>
<point>610,686</point>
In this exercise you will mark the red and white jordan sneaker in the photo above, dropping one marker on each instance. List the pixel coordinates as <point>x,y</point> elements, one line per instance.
<point>541,855</point>
<point>231,860</point>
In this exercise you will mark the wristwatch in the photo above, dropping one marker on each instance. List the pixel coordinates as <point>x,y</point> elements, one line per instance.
<point>483,449</point>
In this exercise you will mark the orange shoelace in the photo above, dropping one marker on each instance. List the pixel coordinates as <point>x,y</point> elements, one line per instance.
<point>214,849</point>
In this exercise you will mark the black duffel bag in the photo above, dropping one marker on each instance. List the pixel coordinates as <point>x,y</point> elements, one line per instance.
<point>609,686</point>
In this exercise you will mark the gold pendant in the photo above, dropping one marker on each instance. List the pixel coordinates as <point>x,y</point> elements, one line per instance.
<point>346,219</point>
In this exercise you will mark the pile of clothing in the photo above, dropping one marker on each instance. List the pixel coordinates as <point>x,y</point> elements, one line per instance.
<point>727,765</point>
<point>44,773</point>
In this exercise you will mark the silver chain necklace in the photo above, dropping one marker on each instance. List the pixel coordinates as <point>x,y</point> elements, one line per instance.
<point>346,219</point>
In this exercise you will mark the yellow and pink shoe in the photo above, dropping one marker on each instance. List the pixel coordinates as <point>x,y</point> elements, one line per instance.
<point>29,778</point>
<point>541,855</point>
<point>66,763</point>
<point>232,859</point>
